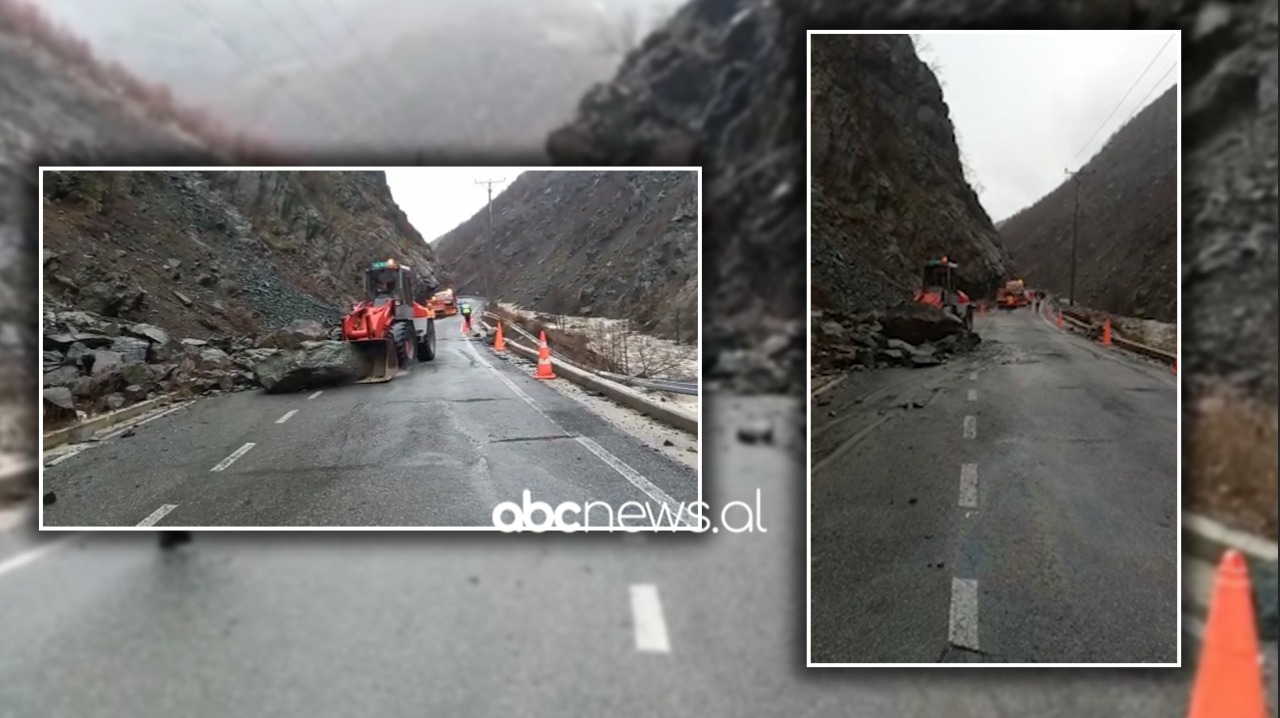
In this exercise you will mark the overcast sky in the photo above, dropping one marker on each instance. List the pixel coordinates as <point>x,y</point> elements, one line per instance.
<point>1025,104</point>
<point>439,199</point>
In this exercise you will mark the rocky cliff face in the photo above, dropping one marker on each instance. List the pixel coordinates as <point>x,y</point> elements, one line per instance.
<point>184,282</point>
<point>609,244</point>
<point>889,191</point>
<point>206,253</point>
<point>1127,249</point>
<point>1230,256</point>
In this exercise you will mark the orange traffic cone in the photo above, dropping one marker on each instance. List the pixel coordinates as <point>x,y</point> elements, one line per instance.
<point>544,359</point>
<point>982,310</point>
<point>1106,332</point>
<point>1229,679</point>
<point>1059,318</point>
<point>499,343</point>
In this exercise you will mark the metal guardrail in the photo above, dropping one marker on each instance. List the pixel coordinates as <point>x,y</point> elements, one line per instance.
<point>674,387</point>
<point>1137,347</point>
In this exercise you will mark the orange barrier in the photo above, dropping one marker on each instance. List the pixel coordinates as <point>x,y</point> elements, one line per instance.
<point>1228,683</point>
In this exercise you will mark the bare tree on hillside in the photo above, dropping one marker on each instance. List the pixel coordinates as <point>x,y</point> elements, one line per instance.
<point>651,361</point>
<point>557,306</point>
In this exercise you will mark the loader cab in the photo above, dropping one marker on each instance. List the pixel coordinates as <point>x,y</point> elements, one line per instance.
<point>386,282</point>
<point>938,275</point>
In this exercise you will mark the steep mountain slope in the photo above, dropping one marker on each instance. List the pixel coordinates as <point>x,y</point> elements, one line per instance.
<point>1127,250</point>
<point>888,187</point>
<point>206,253</point>
<point>610,244</point>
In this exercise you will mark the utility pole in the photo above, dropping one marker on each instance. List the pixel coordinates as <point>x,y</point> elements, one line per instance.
<point>1075,231</point>
<point>488,289</point>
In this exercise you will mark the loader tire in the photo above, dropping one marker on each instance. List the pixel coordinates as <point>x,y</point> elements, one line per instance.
<point>401,337</point>
<point>427,347</point>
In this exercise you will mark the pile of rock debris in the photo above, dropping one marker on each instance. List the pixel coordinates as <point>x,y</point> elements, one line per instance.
<point>93,364</point>
<point>912,335</point>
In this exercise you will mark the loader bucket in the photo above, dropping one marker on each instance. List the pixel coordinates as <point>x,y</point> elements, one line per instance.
<point>378,356</point>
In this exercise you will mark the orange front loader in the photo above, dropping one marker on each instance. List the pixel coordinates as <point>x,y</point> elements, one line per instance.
<point>389,328</point>
<point>938,288</point>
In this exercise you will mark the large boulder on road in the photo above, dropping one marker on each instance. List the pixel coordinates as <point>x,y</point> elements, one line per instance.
<point>294,335</point>
<point>314,364</point>
<point>919,324</point>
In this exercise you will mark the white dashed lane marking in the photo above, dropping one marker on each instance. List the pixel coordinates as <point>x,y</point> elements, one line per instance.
<point>651,627</point>
<point>973,395</point>
<point>971,427</point>
<point>973,376</point>
<point>231,459</point>
<point>963,631</point>
<point>969,485</point>
<point>156,515</point>
<point>287,416</point>
<point>318,393</point>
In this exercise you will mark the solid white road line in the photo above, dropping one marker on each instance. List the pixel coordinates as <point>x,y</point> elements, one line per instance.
<point>677,511</point>
<point>40,551</point>
<point>971,427</point>
<point>963,631</point>
<point>973,395</point>
<point>635,477</point>
<point>157,515</point>
<point>287,416</point>
<point>231,459</point>
<point>651,627</point>
<point>969,485</point>
<point>318,393</point>
<point>147,420</point>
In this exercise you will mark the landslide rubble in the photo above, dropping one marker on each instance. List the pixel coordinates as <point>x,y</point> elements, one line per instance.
<point>908,335</point>
<point>236,264</point>
<point>94,364</point>
<point>888,193</point>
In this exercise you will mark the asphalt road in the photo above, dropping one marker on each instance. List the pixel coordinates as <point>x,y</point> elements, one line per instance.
<point>483,625</point>
<point>439,446</point>
<point>1015,506</point>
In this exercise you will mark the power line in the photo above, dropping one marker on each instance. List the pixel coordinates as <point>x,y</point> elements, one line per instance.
<point>1142,103</point>
<point>1123,97</point>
